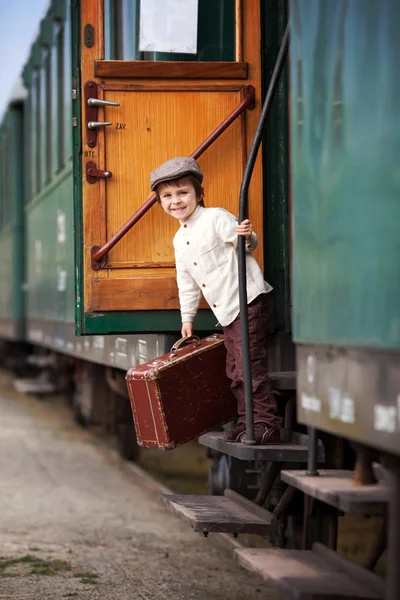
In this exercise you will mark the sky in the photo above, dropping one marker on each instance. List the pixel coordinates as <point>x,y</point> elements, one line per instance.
<point>19,25</point>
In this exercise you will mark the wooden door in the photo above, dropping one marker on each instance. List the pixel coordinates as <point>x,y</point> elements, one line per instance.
<point>166,109</point>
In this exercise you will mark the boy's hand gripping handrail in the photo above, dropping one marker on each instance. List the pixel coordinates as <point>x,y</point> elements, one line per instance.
<point>98,253</point>
<point>243,210</point>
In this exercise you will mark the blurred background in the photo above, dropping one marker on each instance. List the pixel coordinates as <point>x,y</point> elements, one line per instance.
<point>19,24</point>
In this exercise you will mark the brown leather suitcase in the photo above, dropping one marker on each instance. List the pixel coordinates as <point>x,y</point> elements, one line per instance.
<point>178,396</point>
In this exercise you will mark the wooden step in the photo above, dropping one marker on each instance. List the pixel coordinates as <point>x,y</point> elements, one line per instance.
<point>230,513</point>
<point>280,452</point>
<point>336,488</point>
<point>317,574</point>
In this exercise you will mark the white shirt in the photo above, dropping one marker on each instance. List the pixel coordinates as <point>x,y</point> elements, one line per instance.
<point>206,262</point>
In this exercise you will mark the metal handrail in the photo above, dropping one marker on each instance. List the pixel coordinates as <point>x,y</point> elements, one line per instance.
<point>243,211</point>
<point>98,252</point>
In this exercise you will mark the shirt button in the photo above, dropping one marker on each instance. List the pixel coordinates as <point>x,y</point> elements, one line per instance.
<point>195,264</point>
<point>214,306</point>
<point>203,285</point>
<point>188,243</point>
<point>185,225</point>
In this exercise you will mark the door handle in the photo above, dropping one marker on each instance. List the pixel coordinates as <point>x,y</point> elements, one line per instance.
<point>96,102</point>
<point>92,103</point>
<point>97,124</point>
<point>92,173</point>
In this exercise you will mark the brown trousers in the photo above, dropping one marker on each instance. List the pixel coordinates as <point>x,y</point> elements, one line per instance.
<point>264,403</point>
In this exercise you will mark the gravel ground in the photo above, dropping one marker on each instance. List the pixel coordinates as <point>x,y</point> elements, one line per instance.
<point>75,522</point>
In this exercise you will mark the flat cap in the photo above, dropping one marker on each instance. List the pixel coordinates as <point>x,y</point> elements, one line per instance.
<point>174,169</point>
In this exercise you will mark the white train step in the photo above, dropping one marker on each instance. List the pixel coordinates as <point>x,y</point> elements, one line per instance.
<point>230,513</point>
<point>317,574</point>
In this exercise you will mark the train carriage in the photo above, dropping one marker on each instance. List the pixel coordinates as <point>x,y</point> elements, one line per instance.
<point>125,304</point>
<point>12,306</point>
<point>160,96</point>
<point>114,88</point>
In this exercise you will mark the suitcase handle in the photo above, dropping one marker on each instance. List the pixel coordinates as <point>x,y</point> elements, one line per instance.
<point>185,340</point>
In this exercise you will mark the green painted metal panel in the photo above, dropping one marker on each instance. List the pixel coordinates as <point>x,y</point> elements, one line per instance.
<point>27,75</point>
<point>27,146</point>
<point>77,171</point>
<point>18,262</point>
<point>161,321</point>
<point>68,51</point>
<point>12,232</point>
<point>6,288</point>
<point>49,213</point>
<point>36,58</point>
<point>31,134</point>
<point>59,9</point>
<point>345,141</point>
<point>275,166</point>
<point>46,32</point>
<point>43,124</point>
<point>50,253</point>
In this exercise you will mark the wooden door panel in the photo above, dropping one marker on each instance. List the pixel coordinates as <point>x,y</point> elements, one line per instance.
<point>152,127</point>
<point>137,293</point>
<point>166,110</point>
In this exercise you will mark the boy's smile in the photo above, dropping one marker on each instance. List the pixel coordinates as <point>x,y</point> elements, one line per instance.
<point>179,201</point>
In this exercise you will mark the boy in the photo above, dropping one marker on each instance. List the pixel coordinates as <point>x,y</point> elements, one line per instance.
<point>206,262</point>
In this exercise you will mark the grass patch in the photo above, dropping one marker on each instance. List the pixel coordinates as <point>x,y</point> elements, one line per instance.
<point>87,577</point>
<point>31,565</point>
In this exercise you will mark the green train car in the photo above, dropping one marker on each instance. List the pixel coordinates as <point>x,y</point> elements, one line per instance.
<point>12,266</point>
<point>52,276</point>
<point>345,140</point>
<point>346,268</point>
<point>108,97</point>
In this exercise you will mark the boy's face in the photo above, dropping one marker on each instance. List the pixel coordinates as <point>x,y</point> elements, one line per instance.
<point>179,200</point>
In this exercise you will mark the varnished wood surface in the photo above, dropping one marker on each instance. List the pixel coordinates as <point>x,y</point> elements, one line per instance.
<point>149,293</point>
<point>239,30</point>
<point>169,70</point>
<point>93,195</point>
<point>153,134</point>
<point>160,117</point>
<point>139,265</point>
<point>177,85</point>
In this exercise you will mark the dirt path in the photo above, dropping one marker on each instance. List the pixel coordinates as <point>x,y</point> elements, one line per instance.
<point>75,524</point>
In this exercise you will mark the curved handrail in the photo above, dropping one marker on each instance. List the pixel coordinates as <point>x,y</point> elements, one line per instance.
<point>98,252</point>
<point>243,210</point>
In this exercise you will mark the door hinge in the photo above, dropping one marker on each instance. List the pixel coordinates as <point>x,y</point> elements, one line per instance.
<point>88,35</point>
